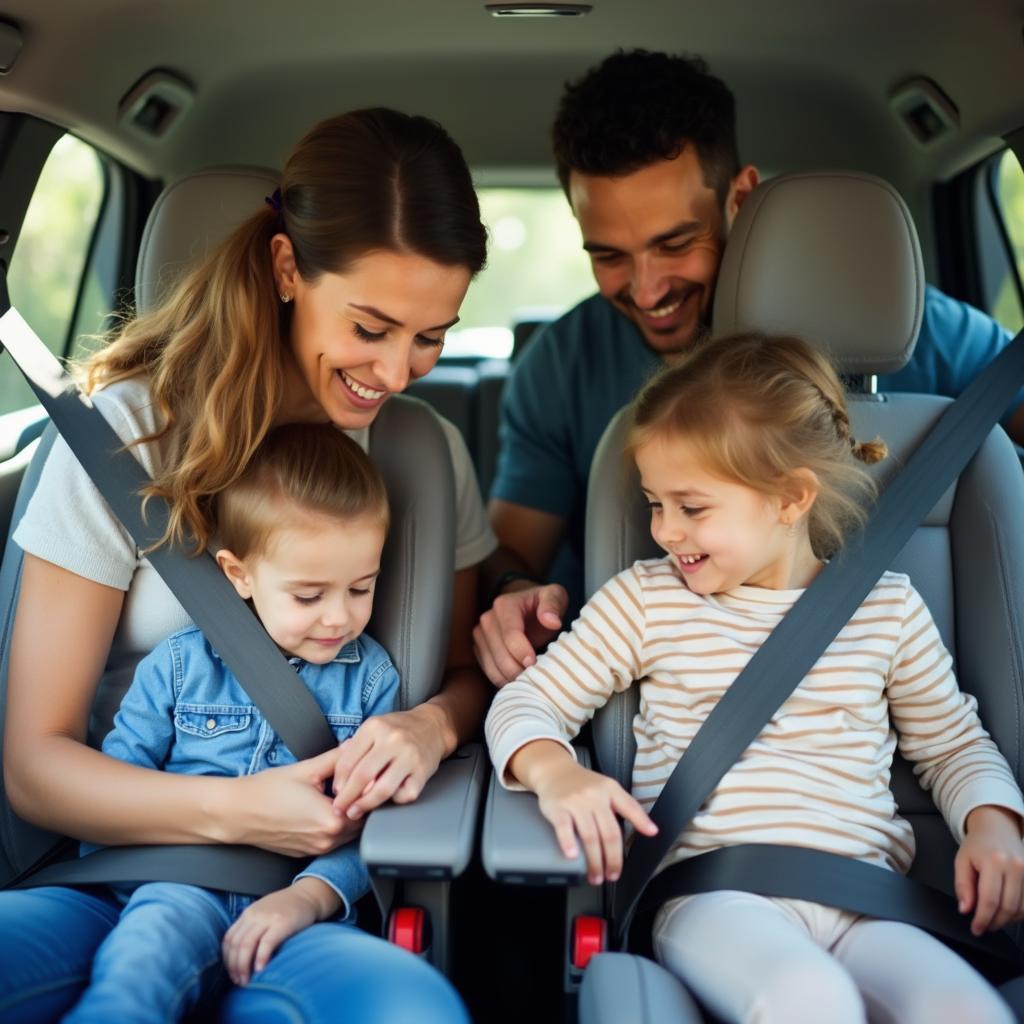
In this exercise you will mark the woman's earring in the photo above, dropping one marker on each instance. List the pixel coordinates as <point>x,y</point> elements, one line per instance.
<point>285,298</point>
<point>791,530</point>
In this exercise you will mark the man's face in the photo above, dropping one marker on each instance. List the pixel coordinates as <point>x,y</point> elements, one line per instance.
<point>655,239</point>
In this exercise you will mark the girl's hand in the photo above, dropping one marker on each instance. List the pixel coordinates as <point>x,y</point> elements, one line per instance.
<point>989,869</point>
<point>285,809</point>
<point>252,940</point>
<point>389,758</point>
<point>580,802</point>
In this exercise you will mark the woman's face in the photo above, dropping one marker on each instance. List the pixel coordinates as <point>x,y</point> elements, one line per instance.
<point>363,335</point>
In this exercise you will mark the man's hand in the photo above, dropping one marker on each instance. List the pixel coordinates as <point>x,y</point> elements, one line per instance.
<point>989,869</point>
<point>520,623</point>
<point>252,940</point>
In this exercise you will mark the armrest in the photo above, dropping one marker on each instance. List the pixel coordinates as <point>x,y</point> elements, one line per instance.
<point>433,836</point>
<point>518,844</point>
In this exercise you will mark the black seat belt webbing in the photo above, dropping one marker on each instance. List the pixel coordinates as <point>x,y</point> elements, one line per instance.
<point>212,604</point>
<point>798,872</point>
<point>828,604</point>
<point>197,583</point>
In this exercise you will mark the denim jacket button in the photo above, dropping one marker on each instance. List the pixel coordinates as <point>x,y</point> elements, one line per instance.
<point>211,723</point>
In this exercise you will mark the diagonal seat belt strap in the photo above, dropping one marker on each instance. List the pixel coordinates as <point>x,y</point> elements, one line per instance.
<point>200,586</point>
<point>814,621</point>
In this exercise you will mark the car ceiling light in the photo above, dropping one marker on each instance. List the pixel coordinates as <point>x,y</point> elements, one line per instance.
<point>515,10</point>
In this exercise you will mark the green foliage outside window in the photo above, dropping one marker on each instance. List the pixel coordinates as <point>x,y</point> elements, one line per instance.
<point>1010,190</point>
<point>47,265</point>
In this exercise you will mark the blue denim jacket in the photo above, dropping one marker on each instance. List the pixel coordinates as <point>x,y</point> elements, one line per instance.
<point>185,712</point>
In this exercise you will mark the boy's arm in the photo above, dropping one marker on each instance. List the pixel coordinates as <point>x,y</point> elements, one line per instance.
<point>143,728</point>
<point>344,873</point>
<point>252,940</point>
<point>342,870</point>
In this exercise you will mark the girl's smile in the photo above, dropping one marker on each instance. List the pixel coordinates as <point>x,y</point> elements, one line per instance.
<point>722,534</point>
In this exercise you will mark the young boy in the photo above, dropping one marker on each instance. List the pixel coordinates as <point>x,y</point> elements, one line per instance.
<point>300,536</point>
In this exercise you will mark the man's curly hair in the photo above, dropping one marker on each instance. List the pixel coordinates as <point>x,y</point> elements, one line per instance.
<point>636,108</point>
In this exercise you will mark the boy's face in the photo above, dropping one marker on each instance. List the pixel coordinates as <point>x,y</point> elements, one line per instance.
<point>313,587</point>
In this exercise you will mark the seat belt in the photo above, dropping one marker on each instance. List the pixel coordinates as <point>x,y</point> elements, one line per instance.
<point>212,604</point>
<point>780,665</point>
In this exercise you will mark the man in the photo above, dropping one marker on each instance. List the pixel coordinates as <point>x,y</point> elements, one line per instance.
<point>645,147</point>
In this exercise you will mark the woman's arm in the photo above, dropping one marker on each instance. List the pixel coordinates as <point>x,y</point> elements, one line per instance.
<point>392,756</point>
<point>62,635</point>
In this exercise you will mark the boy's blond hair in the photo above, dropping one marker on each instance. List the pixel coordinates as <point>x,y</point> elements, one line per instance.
<point>312,467</point>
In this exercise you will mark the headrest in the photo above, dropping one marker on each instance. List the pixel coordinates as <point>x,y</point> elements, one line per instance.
<point>192,216</point>
<point>831,257</point>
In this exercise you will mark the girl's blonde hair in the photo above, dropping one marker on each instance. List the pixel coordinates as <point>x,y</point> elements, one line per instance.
<point>215,351</point>
<point>758,408</point>
<point>312,467</point>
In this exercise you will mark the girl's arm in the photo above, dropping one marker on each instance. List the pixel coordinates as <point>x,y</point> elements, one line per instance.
<point>939,730</point>
<point>580,802</point>
<point>392,756</point>
<point>602,654</point>
<point>62,635</point>
<point>938,725</point>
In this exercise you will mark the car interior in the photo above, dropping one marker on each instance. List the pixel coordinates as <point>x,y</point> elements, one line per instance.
<point>134,137</point>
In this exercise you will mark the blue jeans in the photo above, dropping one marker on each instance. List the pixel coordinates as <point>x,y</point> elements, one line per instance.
<point>59,949</point>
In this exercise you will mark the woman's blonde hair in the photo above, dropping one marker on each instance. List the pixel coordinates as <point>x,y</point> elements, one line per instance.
<point>215,350</point>
<point>757,409</point>
<point>311,467</point>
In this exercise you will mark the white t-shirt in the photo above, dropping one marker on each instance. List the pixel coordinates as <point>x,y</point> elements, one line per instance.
<point>68,523</point>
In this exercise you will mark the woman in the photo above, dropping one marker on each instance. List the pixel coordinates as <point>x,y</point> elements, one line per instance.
<point>324,303</point>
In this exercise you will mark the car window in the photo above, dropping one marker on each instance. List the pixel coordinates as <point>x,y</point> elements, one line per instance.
<point>536,269</point>
<point>48,278</point>
<point>1006,185</point>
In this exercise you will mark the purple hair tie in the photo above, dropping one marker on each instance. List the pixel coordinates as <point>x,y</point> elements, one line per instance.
<point>274,200</point>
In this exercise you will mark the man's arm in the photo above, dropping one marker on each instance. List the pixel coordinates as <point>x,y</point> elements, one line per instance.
<point>527,539</point>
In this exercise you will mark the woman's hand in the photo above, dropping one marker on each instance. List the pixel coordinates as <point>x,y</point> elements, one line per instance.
<point>389,758</point>
<point>286,810</point>
<point>580,802</point>
<point>989,869</point>
<point>253,939</point>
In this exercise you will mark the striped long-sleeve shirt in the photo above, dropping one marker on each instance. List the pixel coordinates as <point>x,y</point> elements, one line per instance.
<point>818,774</point>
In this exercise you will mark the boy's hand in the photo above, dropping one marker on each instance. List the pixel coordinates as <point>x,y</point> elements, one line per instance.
<point>989,869</point>
<point>251,941</point>
<point>580,802</point>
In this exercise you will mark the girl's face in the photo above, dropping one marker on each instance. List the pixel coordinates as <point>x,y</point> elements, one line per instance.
<point>721,534</point>
<point>313,587</point>
<point>361,336</point>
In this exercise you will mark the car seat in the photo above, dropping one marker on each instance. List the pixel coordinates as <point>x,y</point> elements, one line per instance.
<point>414,851</point>
<point>833,258</point>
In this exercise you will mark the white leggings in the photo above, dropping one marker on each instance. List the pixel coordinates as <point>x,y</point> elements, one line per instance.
<point>754,959</point>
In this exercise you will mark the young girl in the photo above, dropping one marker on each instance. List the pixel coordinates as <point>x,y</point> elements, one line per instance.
<point>321,305</point>
<point>745,455</point>
<point>300,535</point>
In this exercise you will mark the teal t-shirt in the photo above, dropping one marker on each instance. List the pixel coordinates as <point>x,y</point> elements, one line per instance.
<point>582,368</point>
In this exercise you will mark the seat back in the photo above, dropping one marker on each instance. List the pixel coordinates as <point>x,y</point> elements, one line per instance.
<point>834,258</point>
<point>412,605</point>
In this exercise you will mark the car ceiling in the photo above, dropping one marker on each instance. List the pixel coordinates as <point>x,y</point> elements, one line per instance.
<point>812,78</point>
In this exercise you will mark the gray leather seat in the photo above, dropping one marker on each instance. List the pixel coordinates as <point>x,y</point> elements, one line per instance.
<point>433,837</point>
<point>834,258</point>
